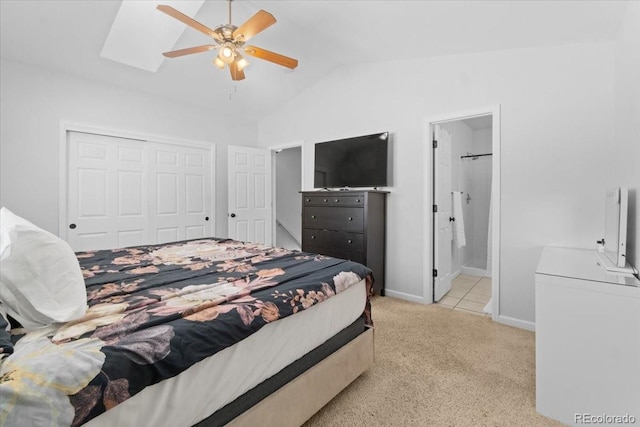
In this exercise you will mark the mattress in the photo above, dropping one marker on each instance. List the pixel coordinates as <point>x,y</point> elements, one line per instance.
<point>156,311</point>
<point>209,385</point>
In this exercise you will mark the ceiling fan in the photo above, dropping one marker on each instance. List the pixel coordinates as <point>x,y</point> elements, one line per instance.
<point>231,41</point>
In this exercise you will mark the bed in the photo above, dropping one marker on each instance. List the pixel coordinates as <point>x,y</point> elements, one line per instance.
<point>201,332</point>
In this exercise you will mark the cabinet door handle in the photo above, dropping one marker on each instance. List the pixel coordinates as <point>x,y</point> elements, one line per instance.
<point>350,219</point>
<point>313,237</point>
<point>313,217</point>
<point>308,200</point>
<point>349,241</point>
<point>325,200</point>
<point>337,200</point>
<point>357,200</point>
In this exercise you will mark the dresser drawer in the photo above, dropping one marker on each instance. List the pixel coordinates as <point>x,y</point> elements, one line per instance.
<point>333,199</point>
<point>351,256</point>
<point>347,200</point>
<point>316,200</point>
<point>340,240</point>
<point>334,218</point>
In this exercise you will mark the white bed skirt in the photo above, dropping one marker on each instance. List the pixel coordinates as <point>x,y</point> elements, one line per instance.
<point>210,384</point>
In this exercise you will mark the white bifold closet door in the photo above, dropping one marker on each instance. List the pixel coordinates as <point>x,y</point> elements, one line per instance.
<point>124,192</point>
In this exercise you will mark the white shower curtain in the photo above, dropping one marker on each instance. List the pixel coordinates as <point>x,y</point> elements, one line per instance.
<point>489,235</point>
<point>488,308</point>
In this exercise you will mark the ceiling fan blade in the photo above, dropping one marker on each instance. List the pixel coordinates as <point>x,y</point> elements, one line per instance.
<point>267,55</point>
<point>190,50</point>
<point>236,74</point>
<point>254,25</point>
<point>189,21</point>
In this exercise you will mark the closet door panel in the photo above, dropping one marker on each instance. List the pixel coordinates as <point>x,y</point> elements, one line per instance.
<point>105,187</point>
<point>181,182</point>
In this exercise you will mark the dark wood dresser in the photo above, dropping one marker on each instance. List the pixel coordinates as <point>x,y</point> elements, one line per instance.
<point>348,225</point>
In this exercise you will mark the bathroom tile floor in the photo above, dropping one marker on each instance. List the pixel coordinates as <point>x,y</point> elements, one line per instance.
<point>469,294</point>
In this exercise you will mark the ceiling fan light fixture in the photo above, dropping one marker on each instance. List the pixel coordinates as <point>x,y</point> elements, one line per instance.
<point>218,63</point>
<point>241,62</point>
<point>227,53</point>
<point>231,39</point>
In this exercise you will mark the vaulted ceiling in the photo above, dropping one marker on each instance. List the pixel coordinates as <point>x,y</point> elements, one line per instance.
<point>68,36</point>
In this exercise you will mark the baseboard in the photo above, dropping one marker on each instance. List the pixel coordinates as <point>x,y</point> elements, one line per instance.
<point>406,297</point>
<point>522,324</point>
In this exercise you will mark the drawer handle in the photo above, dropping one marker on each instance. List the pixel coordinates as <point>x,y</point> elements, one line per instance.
<point>308,200</point>
<point>349,241</point>
<point>325,200</point>
<point>313,217</point>
<point>337,200</point>
<point>357,200</point>
<point>350,219</point>
<point>313,237</point>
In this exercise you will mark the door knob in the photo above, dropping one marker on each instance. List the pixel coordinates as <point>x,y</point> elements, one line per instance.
<point>232,215</point>
<point>451,219</point>
<point>206,218</point>
<point>72,226</point>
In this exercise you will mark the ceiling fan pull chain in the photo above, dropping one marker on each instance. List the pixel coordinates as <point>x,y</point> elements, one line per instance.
<point>229,12</point>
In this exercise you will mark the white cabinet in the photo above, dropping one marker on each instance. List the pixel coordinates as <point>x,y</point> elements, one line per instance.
<point>587,339</point>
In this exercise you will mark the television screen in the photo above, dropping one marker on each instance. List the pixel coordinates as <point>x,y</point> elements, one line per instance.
<point>352,162</point>
<point>615,238</point>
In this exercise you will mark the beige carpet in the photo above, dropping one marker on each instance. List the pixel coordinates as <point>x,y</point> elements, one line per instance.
<point>438,367</point>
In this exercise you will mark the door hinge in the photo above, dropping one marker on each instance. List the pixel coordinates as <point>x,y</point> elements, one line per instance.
<point>435,208</point>
<point>435,143</point>
<point>435,273</point>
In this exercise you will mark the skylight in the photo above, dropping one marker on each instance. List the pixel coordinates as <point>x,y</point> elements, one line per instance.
<point>140,33</point>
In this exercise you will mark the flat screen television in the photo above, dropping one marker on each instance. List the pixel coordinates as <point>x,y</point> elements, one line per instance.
<point>352,162</point>
<point>615,227</point>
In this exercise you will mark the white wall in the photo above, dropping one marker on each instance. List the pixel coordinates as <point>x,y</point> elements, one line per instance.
<point>557,116</point>
<point>33,103</point>
<point>627,121</point>
<point>288,199</point>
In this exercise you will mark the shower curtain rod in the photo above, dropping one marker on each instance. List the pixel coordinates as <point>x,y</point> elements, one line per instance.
<point>475,156</point>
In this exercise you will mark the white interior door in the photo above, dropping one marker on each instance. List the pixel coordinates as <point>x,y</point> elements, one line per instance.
<point>441,224</point>
<point>106,191</point>
<point>250,207</point>
<point>179,192</point>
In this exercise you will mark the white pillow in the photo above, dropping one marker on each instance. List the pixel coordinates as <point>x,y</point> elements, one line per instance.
<point>40,278</point>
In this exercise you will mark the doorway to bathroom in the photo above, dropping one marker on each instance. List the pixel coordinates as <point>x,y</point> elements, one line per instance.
<point>465,222</point>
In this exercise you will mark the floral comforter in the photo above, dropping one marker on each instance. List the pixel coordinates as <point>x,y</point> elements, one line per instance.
<point>153,312</point>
